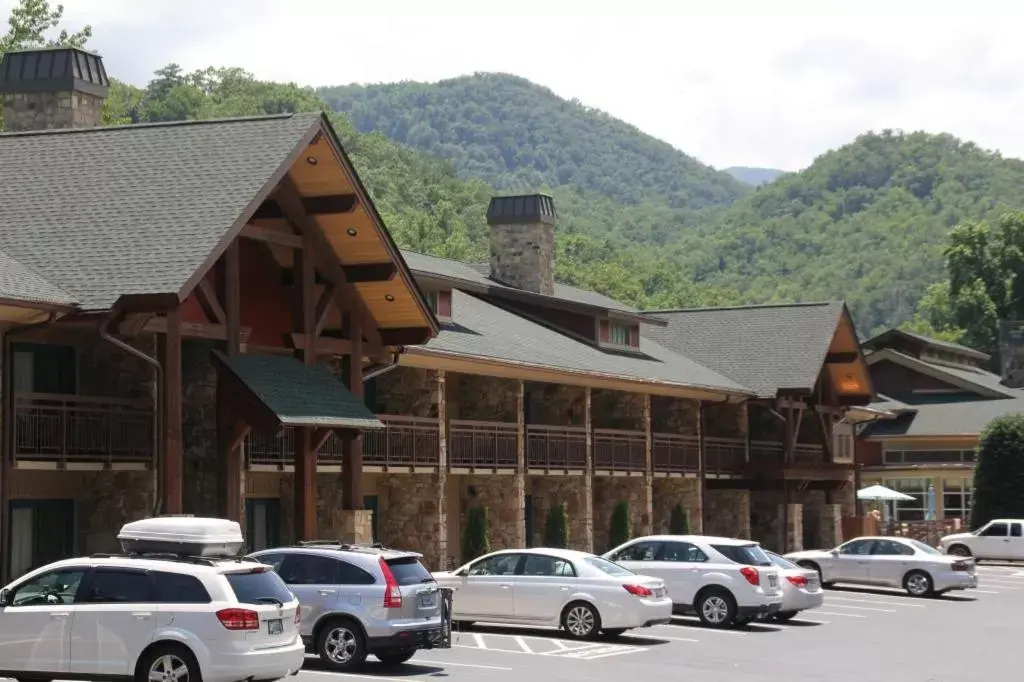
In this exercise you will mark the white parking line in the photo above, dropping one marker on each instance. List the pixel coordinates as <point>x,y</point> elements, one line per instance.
<point>844,615</point>
<point>465,665</point>
<point>560,644</point>
<point>861,608</point>
<point>830,598</point>
<point>674,639</point>
<point>984,591</point>
<point>591,651</point>
<point>523,645</point>
<point>478,638</point>
<point>807,621</point>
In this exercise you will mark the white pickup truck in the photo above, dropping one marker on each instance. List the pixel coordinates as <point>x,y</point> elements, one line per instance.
<point>724,581</point>
<point>999,539</point>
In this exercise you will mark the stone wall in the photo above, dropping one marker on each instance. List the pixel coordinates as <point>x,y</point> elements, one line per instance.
<point>725,420</point>
<point>617,410</point>
<point>765,520</point>
<point>407,391</point>
<point>576,493</point>
<point>481,398</point>
<point>831,527</point>
<point>727,513</point>
<point>504,498</point>
<point>675,415</point>
<point>814,510</point>
<point>555,404</point>
<point>794,518</point>
<point>199,429</point>
<point>668,492</point>
<point>413,515</point>
<point>608,492</point>
<point>104,370</point>
<point>523,256</point>
<point>109,500</point>
<point>51,110</point>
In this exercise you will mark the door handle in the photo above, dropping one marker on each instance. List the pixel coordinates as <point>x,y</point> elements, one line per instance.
<point>141,615</point>
<point>325,593</point>
<point>60,614</point>
<point>506,586</point>
<point>565,588</point>
<point>1006,539</point>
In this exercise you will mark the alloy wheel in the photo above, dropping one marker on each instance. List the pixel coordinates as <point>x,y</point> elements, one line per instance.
<point>918,584</point>
<point>715,609</point>
<point>168,668</point>
<point>340,645</point>
<point>579,621</point>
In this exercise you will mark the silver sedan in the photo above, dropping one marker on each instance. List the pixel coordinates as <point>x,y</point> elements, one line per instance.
<point>801,588</point>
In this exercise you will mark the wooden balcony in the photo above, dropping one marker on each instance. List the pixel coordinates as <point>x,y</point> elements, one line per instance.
<point>73,429</point>
<point>675,454</point>
<point>724,456</point>
<point>482,445</point>
<point>767,451</point>
<point>619,451</point>
<point>556,448</point>
<point>807,453</point>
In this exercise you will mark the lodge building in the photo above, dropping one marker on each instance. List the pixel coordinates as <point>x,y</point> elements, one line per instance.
<point>210,317</point>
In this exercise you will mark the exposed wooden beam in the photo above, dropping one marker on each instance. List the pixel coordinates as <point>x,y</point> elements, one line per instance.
<point>232,317</point>
<point>370,272</point>
<point>320,438</point>
<point>404,336</point>
<point>272,236</point>
<point>197,330</point>
<point>841,358</point>
<point>134,323</point>
<point>324,344</point>
<point>172,473</point>
<point>271,209</point>
<point>208,300</point>
<point>323,306</point>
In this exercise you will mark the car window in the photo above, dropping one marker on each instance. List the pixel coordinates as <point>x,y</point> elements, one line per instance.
<point>55,587</point>
<point>541,565</point>
<point>409,571</point>
<point>891,548</point>
<point>995,530</point>
<point>309,569</point>
<point>923,548</point>
<point>638,551</point>
<point>748,555</point>
<point>1015,530</point>
<point>499,564</point>
<point>781,562</point>
<point>350,574</point>
<point>856,547</point>
<point>682,551</point>
<point>118,586</point>
<point>178,588</point>
<point>607,567</point>
<point>272,560</point>
<point>259,587</point>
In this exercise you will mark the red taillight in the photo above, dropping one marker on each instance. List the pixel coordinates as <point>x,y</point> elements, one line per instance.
<point>298,617</point>
<point>960,566</point>
<point>239,619</point>
<point>797,580</point>
<point>392,593</point>
<point>638,590</point>
<point>752,575</point>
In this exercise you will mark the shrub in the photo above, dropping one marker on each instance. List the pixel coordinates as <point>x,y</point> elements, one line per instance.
<point>556,531</point>
<point>476,539</point>
<point>999,472</point>
<point>679,522</point>
<point>619,528</point>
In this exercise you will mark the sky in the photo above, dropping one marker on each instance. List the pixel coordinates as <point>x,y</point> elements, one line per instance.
<point>737,87</point>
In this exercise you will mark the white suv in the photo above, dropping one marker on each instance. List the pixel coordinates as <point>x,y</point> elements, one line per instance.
<point>724,581</point>
<point>173,608</point>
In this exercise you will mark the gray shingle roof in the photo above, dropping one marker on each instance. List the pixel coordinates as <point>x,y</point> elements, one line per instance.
<point>767,347</point>
<point>19,283</point>
<point>485,330</point>
<point>299,394</point>
<point>105,212</point>
<point>960,418</point>
<point>479,274</point>
<point>880,339</point>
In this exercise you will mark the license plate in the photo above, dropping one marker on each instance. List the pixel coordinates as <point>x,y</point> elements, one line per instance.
<point>772,581</point>
<point>427,599</point>
<point>812,584</point>
<point>659,592</point>
<point>275,626</point>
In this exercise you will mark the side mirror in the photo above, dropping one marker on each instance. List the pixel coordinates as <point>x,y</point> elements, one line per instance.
<point>5,596</point>
<point>834,552</point>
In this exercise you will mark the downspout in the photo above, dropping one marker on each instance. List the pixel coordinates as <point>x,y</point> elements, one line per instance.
<point>384,368</point>
<point>104,331</point>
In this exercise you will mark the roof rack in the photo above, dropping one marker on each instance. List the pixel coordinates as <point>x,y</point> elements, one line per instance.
<point>172,556</point>
<point>340,545</point>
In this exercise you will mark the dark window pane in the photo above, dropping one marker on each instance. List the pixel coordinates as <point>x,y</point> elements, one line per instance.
<point>540,565</point>
<point>1015,530</point>
<point>263,587</point>
<point>353,575</point>
<point>996,530</point>
<point>682,551</point>
<point>119,587</point>
<point>177,588</point>
<point>640,551</point>
<point>55,587</point>
<point>309,569</point>
<point>749,555</point>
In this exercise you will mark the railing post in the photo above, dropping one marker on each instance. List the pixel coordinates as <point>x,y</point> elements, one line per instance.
<point>63,433</point>
<point>702,475</point>
<point>519,481</point>
<point>648,518</point>
<point>588,471</point>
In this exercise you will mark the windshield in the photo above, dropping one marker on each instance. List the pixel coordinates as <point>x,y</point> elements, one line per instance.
<point>749,555</point>
<point>608,567</point>
<point>782,563</point>
<point>259,587</point>
<point>921,547</point>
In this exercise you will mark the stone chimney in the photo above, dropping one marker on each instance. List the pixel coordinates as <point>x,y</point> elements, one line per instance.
<point>523,242</point>
<point>53,87</point>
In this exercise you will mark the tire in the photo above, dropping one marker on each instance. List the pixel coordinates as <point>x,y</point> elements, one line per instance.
<point>918,584</point>
<point>167,659</point>
<point>783,616</point>
<point>613,632</point>
<point>581,620</point>
<point>341,645</point>
<point>716,608</point>
<point>462,624</point>
<point>398,657</point>
<point>960,550</point>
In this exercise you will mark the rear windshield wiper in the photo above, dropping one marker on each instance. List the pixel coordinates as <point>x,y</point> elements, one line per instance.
<point>269,600</point>
<point>428,580</point>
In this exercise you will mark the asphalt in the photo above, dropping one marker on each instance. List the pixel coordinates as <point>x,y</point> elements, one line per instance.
<point>858,634</point>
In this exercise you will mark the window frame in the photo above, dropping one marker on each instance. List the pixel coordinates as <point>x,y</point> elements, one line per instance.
<point>521,567</point>
<point>296,556</point>
<point>13,591</point>
<point>663,551</point>
<point>494,557</point>
<point>617,557</point>
<point>86,588</point>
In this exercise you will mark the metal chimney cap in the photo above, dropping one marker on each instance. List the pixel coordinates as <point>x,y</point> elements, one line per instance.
<point>53,69</point>
<point>524,208</point>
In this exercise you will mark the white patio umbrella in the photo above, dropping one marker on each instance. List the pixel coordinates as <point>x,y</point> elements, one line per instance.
<point>879,493</point>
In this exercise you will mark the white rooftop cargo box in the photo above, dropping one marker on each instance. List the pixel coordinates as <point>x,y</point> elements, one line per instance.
<point>183,535</point>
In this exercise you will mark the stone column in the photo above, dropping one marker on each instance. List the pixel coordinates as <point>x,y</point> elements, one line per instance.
<point>647,517</point>
<point>588,473</point>
<point>440,396</point>
<point>831,526</point>
<point>519,478</point>
<point>794,514</point>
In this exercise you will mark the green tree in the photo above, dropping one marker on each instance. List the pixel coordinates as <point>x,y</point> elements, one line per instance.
<point>30,25</point>
<point>679,522</point>
<point>620,528</point>
<point>476,539</point>
<point>999,472</point>
<point>556,530</point>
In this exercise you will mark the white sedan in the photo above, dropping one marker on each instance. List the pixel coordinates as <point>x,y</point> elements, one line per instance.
<point>581,593</point>
<point>892,562</point>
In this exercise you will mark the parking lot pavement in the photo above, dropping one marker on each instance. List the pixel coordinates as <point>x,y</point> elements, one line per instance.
<point>858,633</point>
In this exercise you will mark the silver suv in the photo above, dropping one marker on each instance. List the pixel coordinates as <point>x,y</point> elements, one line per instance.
<point>357,600</point>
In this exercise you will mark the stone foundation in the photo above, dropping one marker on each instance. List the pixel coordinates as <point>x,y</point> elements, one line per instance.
<point>504,498</point>
<point>576,493</point>
<point>727,513</point>
<point>794,516</point>
<point>608,492</point>
<point>356,526</point>
<point>831,526</point>
<point>413,515</point>
<point>765,519</point>
<point>202,476</point>
<point>667,493</point>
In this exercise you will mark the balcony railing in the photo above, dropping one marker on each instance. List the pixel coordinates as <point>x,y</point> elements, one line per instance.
<point>724,455</point>
<point>616,450</point>
<point>673,453</point>
<point>767,451</point>
<point>74,428</point>
<point>483,445</point>
<point>556,447</point>
<point>808,453</point>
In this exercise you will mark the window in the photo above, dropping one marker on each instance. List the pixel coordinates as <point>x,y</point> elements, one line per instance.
<point>901,457</point>
<point>842,450</point>
<point>784,564</point>
<point>408,571</point>
<point>682,551</point>
<point>259,587</point>
<point>638,551</point>
<point>45,368</point>
<point>1015,530</point>
<point>114,586</point>
<point>923,548</point>
<point>272,560</point>
<point>500,564</point>
<point>995,530</point>
<point>55,587</point>
<point>607,567</point>
<point>856,548</point>
<point>539,565</point>
<point>748,555</point>
<point>440,303</point>
<point>349,574</point>
<point>309,569</point>
<point>892,548</point>
<point>178,588</point>
<point>956,498</point>
<point>619,335</point>
<point>911,510</point>
<point>263,521</point>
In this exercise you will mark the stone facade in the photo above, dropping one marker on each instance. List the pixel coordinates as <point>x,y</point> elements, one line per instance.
<point>481,398</point>
<point>555,404</point>
<point>725,420</point>
<point>413,515</point>
<point>202,474</point>
<point>727,512</point>
<point>523,256</point>
<point>831,527</point>
<point>765,520</point>
<point>667,493</point>
<point>109,500</point>
<point>617,410</point>
<point>576,493</point>
<point>407,391</point>
<point>51,110</point>
<point>608,492</point>
<point>504,498</point>
<point>675,416</point>
<point>794,519</point>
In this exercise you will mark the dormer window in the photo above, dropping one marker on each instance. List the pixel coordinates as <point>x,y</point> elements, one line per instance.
<point>618,335</point>
<point>440,302</point>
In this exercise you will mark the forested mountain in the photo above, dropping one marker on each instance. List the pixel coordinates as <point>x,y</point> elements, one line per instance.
<point>754,176</point>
